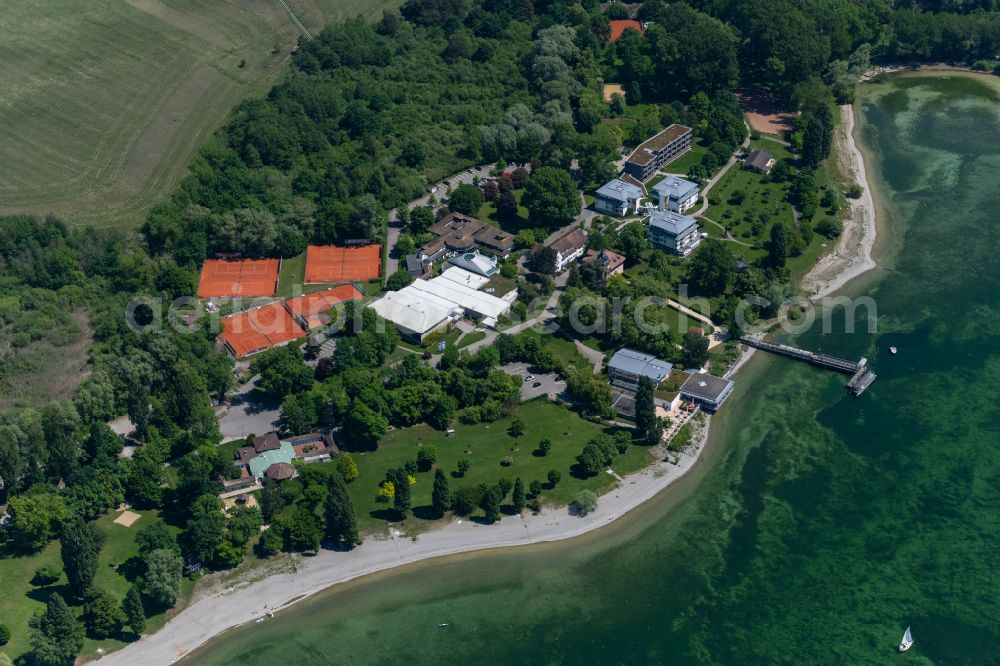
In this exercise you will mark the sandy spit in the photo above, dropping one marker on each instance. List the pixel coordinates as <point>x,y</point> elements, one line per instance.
<point>852,256</point>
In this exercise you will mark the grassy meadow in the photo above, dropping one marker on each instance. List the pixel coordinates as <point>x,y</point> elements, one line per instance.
<point>104,103</point>
<point>115,573</point>
<point>485,445</point>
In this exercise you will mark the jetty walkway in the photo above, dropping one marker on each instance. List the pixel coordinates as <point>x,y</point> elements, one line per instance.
<point>861,376</point>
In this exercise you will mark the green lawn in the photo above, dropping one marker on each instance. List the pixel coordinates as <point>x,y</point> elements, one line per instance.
<point>293,272</point>
<point>484,445</point>
<point>431,345</point>
<point>20,599</point>
<point>683,163</point>
<point>292,277</point>
<point>562,348</point>
<point>488,213</point>
<point>760,196</point>
<point>471,338</point>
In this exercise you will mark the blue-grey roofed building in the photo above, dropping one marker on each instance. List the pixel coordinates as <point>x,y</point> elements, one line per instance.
<point>676,194</point>
<point>706,390</point>
<point>617,197</point>
<point>627,366</point>
<point>673,232</point>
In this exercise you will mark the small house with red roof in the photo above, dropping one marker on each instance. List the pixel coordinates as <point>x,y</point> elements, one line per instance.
<point>618,27</point>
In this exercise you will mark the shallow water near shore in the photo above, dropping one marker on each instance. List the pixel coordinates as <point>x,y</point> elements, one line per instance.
<point>818,526</point>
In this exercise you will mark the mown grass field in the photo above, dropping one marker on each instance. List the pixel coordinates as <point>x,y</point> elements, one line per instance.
<point>20,599</point>
<point>759,196</point>
<point>485,445</point>
<point>103,103</point>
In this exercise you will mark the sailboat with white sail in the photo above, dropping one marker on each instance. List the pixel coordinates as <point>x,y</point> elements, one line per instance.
<point>907,641</point>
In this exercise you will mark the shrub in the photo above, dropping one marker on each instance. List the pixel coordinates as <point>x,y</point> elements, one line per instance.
<point>507,461</point>
<point>585,501</point>
<point>466,500</point>
<point>463,466</point>
<point>535,488</point>
<point>828,227</point>
<point>47,574</point>
<point>347,467</point>
<point>4,634</point>
<point>545,446</point>
<point>855,191</point>
<point>554,477</point>
<point>427,456</point>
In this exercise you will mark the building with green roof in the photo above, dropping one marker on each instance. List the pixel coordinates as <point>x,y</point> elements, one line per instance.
<point>259,464</point>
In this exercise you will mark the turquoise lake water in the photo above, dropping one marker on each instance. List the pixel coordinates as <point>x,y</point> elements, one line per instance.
<point>819,527</point>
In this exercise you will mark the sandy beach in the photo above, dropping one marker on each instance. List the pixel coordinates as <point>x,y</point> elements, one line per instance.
<point>852,256</point>
<point>213,614</point>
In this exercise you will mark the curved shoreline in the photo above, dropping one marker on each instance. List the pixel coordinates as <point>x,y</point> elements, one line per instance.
<point>216,613</point>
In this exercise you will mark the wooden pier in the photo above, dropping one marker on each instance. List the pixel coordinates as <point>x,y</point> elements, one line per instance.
<point>861,376</point>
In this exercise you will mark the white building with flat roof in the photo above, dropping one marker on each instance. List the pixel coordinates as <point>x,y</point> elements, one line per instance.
<point>416,316</point>
<point>426,306</point>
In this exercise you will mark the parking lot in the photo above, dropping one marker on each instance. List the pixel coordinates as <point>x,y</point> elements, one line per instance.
<point>549,383</point>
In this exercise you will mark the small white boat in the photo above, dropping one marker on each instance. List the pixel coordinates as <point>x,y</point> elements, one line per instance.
<point>907,641</point>
<point>893,350</point>
<point>443,624</point>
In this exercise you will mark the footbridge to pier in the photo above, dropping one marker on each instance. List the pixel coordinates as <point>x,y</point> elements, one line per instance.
<point>861,376</point>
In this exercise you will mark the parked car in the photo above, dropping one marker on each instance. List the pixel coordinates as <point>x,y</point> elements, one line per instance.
<point>529,378</point>
<point>536,385</point>
<point>432,189</point>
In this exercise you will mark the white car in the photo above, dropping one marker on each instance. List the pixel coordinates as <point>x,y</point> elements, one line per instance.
<point>529,378</point>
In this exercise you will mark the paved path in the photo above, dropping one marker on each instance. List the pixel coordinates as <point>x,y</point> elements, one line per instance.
<point>718,336</point>
<point>729,236</point>
<point>249,414</point>
<point>595,357</point>
<point>392,263</point>
<point>391,260</point>
<point>715,179</point>
<point>550,305</point>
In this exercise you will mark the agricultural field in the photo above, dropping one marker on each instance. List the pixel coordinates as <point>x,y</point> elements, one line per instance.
<point>103,103</point>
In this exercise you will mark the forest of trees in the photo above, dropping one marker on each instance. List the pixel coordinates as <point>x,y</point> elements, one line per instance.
<point>367,115</point>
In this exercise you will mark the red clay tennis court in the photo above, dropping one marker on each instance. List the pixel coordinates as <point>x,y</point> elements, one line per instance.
<point>229,278</point>
<point>310,306</point>
<point>259,329</point>
<point>329,263</point>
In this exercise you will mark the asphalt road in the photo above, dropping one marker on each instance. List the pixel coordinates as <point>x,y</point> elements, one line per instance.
<point>550,383</point>
<point>249,414</point>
